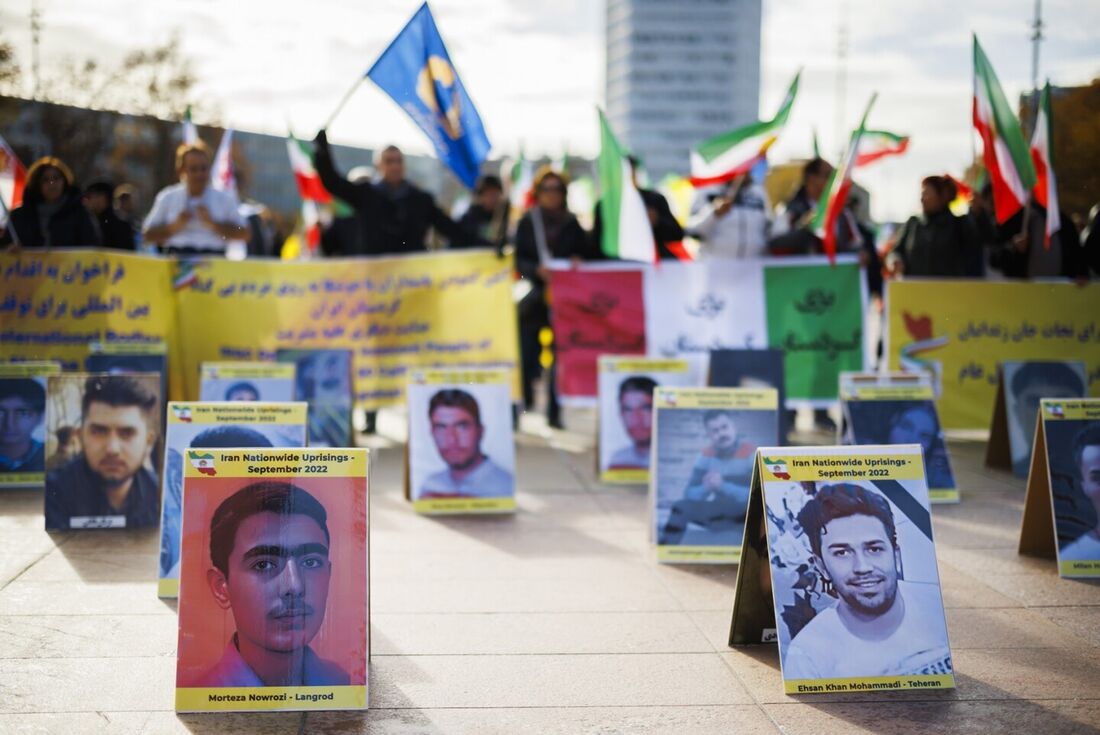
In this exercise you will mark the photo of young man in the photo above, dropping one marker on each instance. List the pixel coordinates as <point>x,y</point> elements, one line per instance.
<point>22,408</point>
<point>109,478</point>
<point>1085,451</point>
<point>1026,384</point>
<point>717,493</point>
<point>270,567</point>
<point>636,411</point>
<point>457,432</point>
<point>880,624</point>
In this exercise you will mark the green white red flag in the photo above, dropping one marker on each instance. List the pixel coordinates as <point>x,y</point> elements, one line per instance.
<point>1042,156</point>
<point>835,196</point>
<point>878,144</point>
<point>521,181</point>
<point>13,178</point>
<point>188,132</point>
<point>627,233</point>
<point>734,153</point>
<point>310,187</point>
<point>1004,150</point>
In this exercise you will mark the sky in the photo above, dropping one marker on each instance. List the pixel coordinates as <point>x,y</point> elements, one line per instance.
<point>535,69</point>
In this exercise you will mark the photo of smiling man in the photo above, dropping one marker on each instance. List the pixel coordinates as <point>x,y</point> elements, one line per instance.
<point>273,582</point>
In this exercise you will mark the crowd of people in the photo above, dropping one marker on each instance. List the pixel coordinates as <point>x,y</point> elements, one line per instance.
<point>391,215</point>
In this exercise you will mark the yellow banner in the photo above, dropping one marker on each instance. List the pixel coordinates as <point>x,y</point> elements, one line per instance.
<point>1058,409</point>
<point>237,412</point>
<point>275,462</point>
<point>55,304</point>
<point>699,554</point>
<point>869,684</point>
<point>444,506</point>
<point>396,314</point>
<point>961,330</point>
<point>256,699</point>
<point>844,464</point>
<point>749,399</point>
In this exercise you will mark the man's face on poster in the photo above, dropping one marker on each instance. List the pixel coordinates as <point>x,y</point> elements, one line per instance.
<point>242,393</point>
<point>860,561</point>
<point>116,441</point>
<point>279,572</point>
<point>1089,467</point>
<point>457,436</point>
<point>722,432</point>
<point>1027,403</point>
<point>636,409</point>
<point>18,420</point>
<point>915,426</point>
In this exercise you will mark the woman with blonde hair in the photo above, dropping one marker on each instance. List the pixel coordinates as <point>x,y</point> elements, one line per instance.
<point>52,214</point>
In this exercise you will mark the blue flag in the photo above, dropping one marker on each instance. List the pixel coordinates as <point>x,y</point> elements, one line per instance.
<point>416,71</point>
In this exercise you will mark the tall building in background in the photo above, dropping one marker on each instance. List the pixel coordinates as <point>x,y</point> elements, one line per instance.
<point>679,72</point>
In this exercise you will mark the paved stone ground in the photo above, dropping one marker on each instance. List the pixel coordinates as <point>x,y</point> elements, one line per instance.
<point>556,620</point>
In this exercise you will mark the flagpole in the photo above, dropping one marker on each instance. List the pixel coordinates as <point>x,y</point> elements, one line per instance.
<point>343,101</point>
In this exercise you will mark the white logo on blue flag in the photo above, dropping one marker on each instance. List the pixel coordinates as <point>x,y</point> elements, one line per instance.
<point>416,71</point>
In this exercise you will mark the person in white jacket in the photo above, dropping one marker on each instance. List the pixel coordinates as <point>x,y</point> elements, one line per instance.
<point>734,221</point>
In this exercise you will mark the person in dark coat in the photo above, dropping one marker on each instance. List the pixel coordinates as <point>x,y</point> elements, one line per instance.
<point>483,221</point>
<point>666,229</point>
<point>52,214</point>
<point>938,243</point>
<point>394,215</point>
<point>1020,255</point>
<point>548,231</point>
<point>113,232</point>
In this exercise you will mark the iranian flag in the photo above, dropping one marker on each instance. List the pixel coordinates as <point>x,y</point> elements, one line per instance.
<point>878,144</point>
<point>1004,150</point>
<point>1042,155</point>
<point>13,177</point>
<point>835,196</point>
<point>729,155</point>
<point>310,187</point>
<point>188,132</point>
<point>223,177</point>
<point>627,233</point>
<point>521,183</point>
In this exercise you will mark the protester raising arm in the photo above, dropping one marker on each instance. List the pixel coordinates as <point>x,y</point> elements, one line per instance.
<point>352,192</point>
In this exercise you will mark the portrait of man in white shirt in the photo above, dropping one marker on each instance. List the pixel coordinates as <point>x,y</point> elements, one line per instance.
<point>457,431</point>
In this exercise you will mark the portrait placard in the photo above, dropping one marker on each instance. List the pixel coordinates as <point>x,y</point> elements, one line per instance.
<point>129,357</point>
<point>104,475</point>
<point>193,425</point>
<point>461,454</point>
<point>1062,507</point>
<point>246,381</point>
<point>274,606</point>
<point>23,422</point>
<point>899,408</point>
<point>704,449</point>
<point>323,379</point>
<point>625,413</point>
<point>1020,387</point>
<point>839,542</point>
<point>751,369</point>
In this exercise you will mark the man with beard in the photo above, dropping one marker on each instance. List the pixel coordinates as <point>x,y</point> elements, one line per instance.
<point>717,494</point>
<point>880,626</point>
<point>269,553</point>
<point>108,482</point>
<point>457,431</point>
<point>636,411</point>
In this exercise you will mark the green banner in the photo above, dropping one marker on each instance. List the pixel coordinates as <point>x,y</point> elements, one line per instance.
<point>815,315</point>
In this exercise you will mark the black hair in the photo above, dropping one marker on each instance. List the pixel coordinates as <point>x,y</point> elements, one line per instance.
<point>637,383</point>
<point>840,501</point>
<point>267,496</point>
<point>455,398</point>
<point>816,167</point>
<point>243,385</point>
<point>713,413</point>
<point>488,181</point>
<point>28,389</point>
<point>1086,437</point>
<point>120,390</point>
<point>1049,372</point>
<point>101,187</point>
<point>229,437</point>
